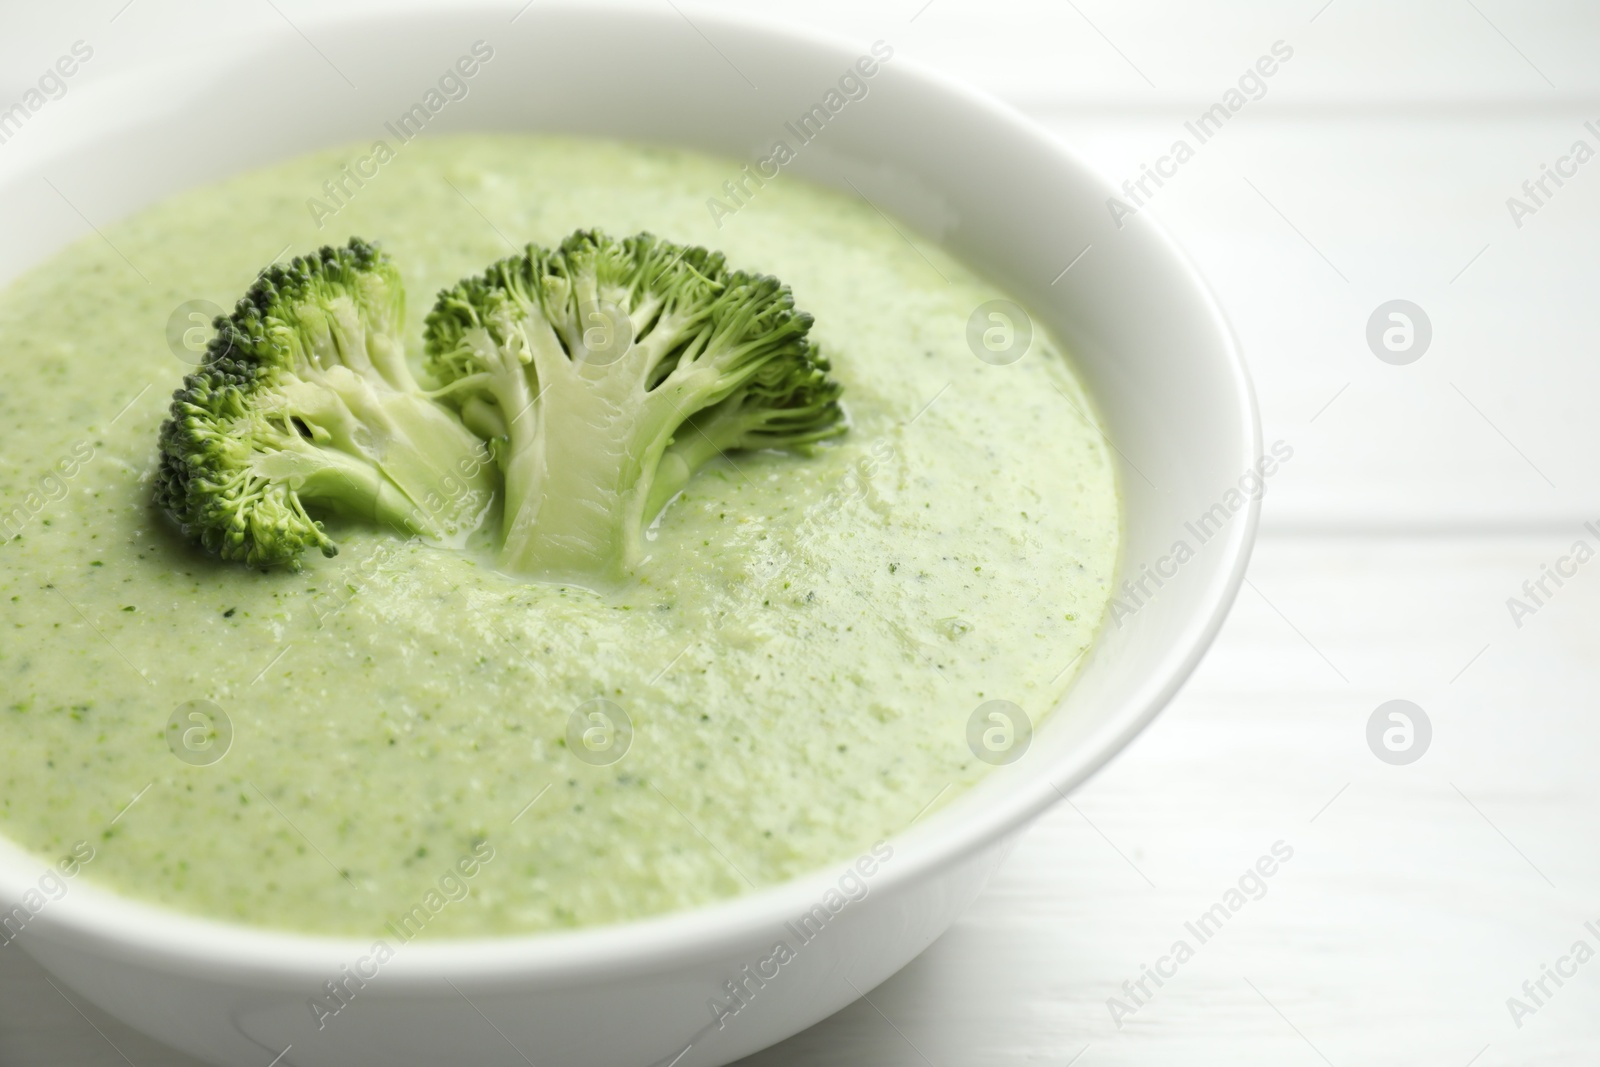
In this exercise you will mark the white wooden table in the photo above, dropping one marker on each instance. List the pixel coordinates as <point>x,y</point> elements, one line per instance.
<point>1419,898</point>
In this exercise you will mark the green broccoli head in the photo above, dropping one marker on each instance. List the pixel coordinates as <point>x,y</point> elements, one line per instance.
<point>610,371</point>
<point>304,405</point>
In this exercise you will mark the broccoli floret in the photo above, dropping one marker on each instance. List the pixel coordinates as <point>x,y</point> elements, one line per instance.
<point>609,371</point>
<point>304,405</point>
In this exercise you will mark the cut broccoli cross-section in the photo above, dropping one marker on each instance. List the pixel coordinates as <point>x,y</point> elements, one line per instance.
<point>609,371</point>
<point>304,405</point>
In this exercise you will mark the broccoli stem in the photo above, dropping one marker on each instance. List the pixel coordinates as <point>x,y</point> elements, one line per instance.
<point>342,484</point>
<point>692,447</point>
<point>579,470</point>
<point>423,454</point>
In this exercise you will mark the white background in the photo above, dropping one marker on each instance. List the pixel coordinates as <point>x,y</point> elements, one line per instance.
<point>1419,498</point>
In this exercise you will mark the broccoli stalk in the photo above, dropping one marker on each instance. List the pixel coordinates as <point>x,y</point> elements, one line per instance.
<point>304,404</point>
<point>610,371</point>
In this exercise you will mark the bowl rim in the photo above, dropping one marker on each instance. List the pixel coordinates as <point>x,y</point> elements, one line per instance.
<point>94,916</point>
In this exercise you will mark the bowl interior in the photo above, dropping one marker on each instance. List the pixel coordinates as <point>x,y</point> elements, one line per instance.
<point>948,164</point>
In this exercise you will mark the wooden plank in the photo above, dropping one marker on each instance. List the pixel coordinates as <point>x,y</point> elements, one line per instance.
<point>1306,226</point>
<point>43,1025</point>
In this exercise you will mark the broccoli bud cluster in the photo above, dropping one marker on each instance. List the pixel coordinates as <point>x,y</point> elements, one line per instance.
<point>579,390</point>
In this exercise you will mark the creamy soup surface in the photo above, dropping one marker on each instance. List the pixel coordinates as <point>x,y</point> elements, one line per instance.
<point>798,658</point>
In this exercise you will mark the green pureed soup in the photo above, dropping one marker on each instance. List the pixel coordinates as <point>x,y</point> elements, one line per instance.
<point>789,678</point>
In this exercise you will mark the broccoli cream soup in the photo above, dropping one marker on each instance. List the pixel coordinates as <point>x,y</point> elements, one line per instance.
<point>411,738</point>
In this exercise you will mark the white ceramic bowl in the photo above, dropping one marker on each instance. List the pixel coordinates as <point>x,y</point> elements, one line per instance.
<point>950,164</point>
